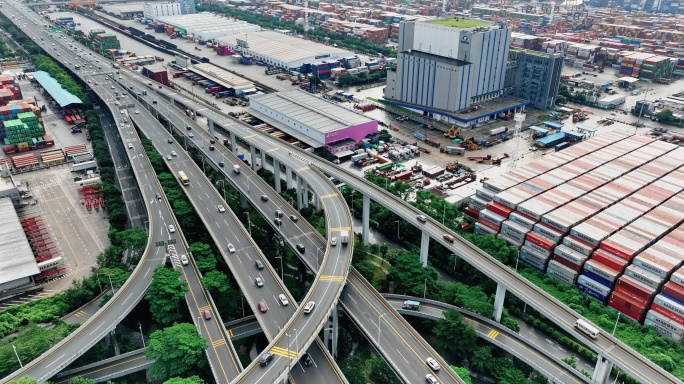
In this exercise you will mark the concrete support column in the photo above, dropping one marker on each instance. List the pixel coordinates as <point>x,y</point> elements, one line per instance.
<point>300,187</point>
<point>602,370</point>
<point>210,126</point>
<point>252,152</point>
<point>499,301</point>
<point>331,331</point>
<point>424,248</point>
<point>276,175</point>
<point>335,329</point>
<point>365,220</point>
<point>305,194</point>
<point>231,137</point>
<point>244,202</point>
<point>288,175</point>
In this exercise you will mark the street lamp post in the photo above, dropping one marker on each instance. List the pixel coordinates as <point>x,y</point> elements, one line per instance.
<point>444,213</point>
<point>516,262</point>
<point>249,223</point>
<point>616,323</point>
<point>379,320</point>
<point>141,335</point>
<point>281,267</point>
<point>425,288</point>
<point>18,359</point>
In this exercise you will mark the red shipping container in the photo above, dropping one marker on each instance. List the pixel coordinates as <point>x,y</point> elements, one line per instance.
<point>540,241</point>
<point>667,313</point>
<point>471,212</point>
<point>567,263</point>
<point>614,263</point>
<point>488,224</point>
<point>674,290</point>
<point>630,287</point>
<point>499,209</point>
<point>626,307</point>
<point>616,249</point>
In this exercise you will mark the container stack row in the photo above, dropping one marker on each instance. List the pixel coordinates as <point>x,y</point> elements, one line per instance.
<point>608,217</point>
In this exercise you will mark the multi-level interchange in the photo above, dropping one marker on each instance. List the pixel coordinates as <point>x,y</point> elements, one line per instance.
<point>604,214</point>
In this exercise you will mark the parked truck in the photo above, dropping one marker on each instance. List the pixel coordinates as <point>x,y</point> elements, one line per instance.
<point>344,237</point>
<point>497,131</point>
<point>453,150</point>
<point>411,305</point>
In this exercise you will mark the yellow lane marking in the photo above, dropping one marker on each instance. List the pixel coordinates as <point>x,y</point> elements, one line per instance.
<point>329,196</point>
<point>272,149</point>
<point>284,352</point>
<point>340,229</point>
<point>493,334</point>
<point>230,333</point>
<point>331,278</point>
<point>218,342</point>
<point>249,137</point>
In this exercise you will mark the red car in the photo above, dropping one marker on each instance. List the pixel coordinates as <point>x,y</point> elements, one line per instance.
<point>262,307</point>
<point>207,314</point>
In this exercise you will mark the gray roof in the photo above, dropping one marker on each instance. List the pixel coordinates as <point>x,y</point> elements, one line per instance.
<point>282,47</point>
<point>223,77</point>
<point>311,110</point>
<point>16,257</point>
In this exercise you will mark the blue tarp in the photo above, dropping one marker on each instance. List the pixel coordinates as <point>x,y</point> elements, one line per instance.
<point>551,139</point>
<point>553,125</point>
<point>59,94</point>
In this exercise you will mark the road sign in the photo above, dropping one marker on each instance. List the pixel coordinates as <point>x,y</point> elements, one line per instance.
<point>51,30</point>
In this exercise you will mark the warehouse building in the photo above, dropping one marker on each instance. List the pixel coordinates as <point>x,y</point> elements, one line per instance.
<point>206,26</point>
<point>607,215</point>
<point>124,11</point>
<point>17,263</point>
<point>534,76</point>
<point>224,78</point>
<point>281,50</point>
<point>153,11</point>
<point>452,69</point>
<point>313,120</point>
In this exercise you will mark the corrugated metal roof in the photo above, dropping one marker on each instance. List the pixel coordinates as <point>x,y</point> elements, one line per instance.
<point>223,77</point>
<point>283,47</point>
<point>61,95</point>
<point>311,110</point>
<point>16,257</point>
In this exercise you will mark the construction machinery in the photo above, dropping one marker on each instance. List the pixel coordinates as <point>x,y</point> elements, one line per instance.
<point>469,144</point>
<point>453,132</point>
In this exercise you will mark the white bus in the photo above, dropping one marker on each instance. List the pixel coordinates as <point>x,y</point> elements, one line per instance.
<point>587,328</point>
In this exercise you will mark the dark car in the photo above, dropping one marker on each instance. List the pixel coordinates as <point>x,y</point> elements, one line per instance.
<point>221,164</point>
<point>259,264</point>
<point>265,359</point>
<point>158,196</point>
<point>300,247</point>
<point>306,359</point>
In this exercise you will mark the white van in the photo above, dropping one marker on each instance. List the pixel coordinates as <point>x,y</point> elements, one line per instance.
<point>587,328</point>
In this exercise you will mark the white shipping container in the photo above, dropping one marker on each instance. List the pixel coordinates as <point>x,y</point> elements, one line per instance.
<point>548,232</point>
<point>663,321</point>
<point>509,240</point>
<point>522,220</point>
<point>657,263</point>
<point>578,245</point>
<point>568,254</point>
<point>491,216</point>
<point>560,272</point>
<point>484,194</point>
<point>641,275</point>
<point>483,230</point>
<point>476,203</point>
<point>668,304</point>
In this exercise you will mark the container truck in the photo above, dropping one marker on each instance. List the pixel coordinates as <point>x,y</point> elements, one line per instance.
<point>497,131</point>
<point>453,150</point>
<point>412,305</point>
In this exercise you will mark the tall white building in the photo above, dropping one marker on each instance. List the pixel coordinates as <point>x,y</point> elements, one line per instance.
<point>446,67</point>
<point>152,11</point>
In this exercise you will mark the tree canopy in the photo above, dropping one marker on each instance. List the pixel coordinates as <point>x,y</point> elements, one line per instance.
<point>165,295</point>
<point>177,349</point>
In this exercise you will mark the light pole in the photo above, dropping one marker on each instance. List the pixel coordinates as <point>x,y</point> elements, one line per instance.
<point>444,213</point>
<point>379,320</point>
<point>516,262</point>
<point>616,323</point>
<point>281,267</point>
<point>397,221</point>
<point>296,341</point>
<point>141,335</point>
<point>18,359</point>
<point>249,223</point>
<point>425,288</point>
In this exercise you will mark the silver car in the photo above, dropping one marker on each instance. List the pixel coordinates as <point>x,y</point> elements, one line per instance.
<point>259,283</point>
<point>283,300</point>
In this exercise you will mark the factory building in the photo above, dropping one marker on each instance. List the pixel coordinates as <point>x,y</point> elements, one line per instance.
<point>17,262</point>
<point>206,26</point>
<point>452,69</point>
<point>153,11</point>
<point>534,76</point>
<point>313,120</point>
<point>187,7</point>
<point>124,11</point>
<point>281,50</point>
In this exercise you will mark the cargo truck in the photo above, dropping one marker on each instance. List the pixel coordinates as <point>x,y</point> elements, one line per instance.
<point>344,237</point>
<point>496,131</point>
<point>453,150</point>
<point>411,305</point>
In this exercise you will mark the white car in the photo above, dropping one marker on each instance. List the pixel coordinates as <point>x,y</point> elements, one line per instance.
<point>283,300</point>
<point>130,145</point>
<point>220,208</point>
<point>172,229</point>
<point>137,112</point>
<point>184,260</point>
<point>168,157</point>
<point>191,134</point>
<point>333,241</point>
<point>259,283</point>
<point>432,363</point>
<point>173,153</point>
<point>231,248</point>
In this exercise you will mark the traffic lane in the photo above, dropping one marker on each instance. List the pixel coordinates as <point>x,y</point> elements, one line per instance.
<point>410,364</point>
<point>537,358</point>
<point>246,251</point>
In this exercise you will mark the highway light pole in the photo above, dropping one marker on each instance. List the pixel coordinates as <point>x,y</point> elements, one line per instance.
<point>249,223</point>
<point>379,320</point>
<point>296,340</point>
<point>616,323</point>
<point>143,336</point>
<point>18,359</point>
<point>425,288</point>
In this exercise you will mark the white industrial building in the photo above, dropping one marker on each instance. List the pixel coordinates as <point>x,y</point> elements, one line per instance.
<point>312,120</point>
<point>153,11</point>
<point>17,263</point>
<point>124,11</point>
<point>207,26</point>
<point>222,77</point>
<point>281,50</point>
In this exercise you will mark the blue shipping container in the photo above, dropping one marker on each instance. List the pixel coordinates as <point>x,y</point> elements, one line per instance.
<point>603,281</point>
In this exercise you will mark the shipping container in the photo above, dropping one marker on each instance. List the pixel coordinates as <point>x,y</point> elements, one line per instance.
<point>514,230</point>
<point>492,217</point>
<point>578,245</point>
<point>539,241</point>
<point>484,222</point>
<point>643,276</point>
<point>533,257</point>
<point>483,230</point>
<point>669,304</point>
<point>674,291</point>
<point>635,290</point>
<point>593,288</point>
<point>566,263</point>
<point>600,270</point>
<point>626,306</point>
<point>561,272</point>
<point>476,203</point>
<point>568,254</point>
<point>509,240</point>
<point>656,318</point>
<point>498,209</point>
<point>522,219</point>
<point>609,260</point>
<point>548,233</point>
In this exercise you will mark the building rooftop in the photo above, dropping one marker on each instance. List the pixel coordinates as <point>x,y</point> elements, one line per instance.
<point>16,257</point>
<point>311,110</point>
<point>460,23</point>
<point>223,77</point>
<point>124,8</point>
<point>59,94</point>
<point>283,47</point>
<point>440,59</point>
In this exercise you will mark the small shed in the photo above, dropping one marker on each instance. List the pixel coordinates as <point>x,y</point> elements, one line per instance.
<point>538,131</point>
<point>551,140</point>
<point>552,125</point>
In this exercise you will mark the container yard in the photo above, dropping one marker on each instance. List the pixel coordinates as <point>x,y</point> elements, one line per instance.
<point>605,214</point>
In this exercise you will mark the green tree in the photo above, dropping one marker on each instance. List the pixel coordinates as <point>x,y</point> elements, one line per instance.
<point>216,281</point>
<point>176,349</point>
<point>463,373</point>
<point>165,295</point>
<point>26,380</point>
<point>185,380</point>
<point>665,116</point>
<point>133,238</point>
<point>380,371</point>
<point>467,297</point>
<point>81,380</point>
<point>455,336</point>
<point>204,257</point>
<point>410,277</point>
